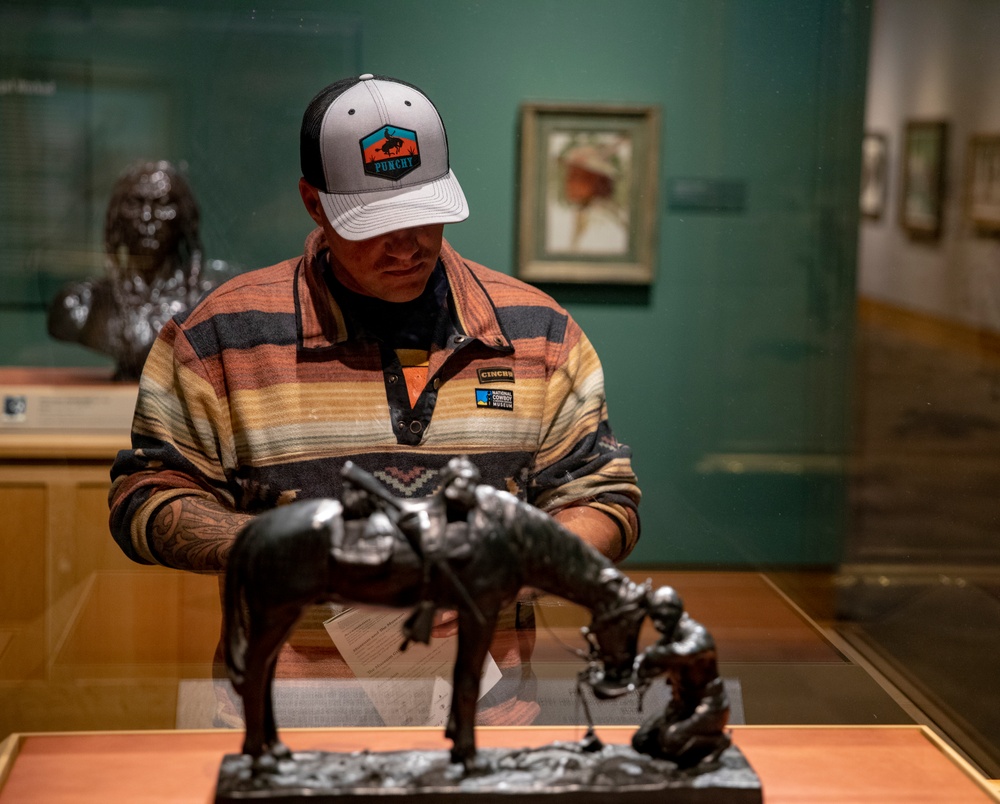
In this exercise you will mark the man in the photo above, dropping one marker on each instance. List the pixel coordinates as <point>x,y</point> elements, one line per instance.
<point>381,345</point>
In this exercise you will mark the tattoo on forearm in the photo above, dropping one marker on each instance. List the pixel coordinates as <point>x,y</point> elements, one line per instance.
<point>194,535</point>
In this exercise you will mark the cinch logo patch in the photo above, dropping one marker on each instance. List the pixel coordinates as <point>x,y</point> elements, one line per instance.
<point>495,375</point>
<point>494,398</point>
<point>390,152</point>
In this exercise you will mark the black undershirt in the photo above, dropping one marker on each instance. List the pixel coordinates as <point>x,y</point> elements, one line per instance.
<point>417,324</point>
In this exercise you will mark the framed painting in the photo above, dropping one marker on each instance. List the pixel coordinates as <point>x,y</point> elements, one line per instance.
<point>983,182</point>
<point>924,157</point>
<point>588,200</point>
<point>874,174</point>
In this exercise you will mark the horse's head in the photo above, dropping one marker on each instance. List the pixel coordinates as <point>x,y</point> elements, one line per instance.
<point>613,636</point>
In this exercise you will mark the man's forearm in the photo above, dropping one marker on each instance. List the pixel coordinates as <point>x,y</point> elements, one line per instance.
<point>191,533</point>
<point>595,528</point>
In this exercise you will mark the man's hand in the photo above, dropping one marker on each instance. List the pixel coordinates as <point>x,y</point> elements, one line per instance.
<point>641,669</point>
<point>445,623</point>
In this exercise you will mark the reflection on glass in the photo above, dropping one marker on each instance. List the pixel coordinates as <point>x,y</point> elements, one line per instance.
<point>154,269</point>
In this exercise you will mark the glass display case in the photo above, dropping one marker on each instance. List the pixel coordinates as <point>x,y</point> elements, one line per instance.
<point>810,394</point>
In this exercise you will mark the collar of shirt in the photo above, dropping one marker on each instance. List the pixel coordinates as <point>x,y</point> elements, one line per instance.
<point>321,323</point>
<point>416,324</point>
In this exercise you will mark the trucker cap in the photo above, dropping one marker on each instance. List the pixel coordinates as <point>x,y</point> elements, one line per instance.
<point>377,151</point>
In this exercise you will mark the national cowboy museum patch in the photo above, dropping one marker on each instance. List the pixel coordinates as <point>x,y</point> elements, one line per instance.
<point>494,398</point>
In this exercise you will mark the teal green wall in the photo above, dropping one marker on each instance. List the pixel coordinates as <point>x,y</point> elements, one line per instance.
<point>729,376</point>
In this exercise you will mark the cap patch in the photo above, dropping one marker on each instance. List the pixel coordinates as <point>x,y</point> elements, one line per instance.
<point>390,152</point>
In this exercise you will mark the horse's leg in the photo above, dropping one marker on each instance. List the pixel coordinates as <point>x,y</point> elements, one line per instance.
<point>252,690</point>
<point>272,744</point>
<point>473,644</point>
<point>281,624</point>
<point>266,639</point>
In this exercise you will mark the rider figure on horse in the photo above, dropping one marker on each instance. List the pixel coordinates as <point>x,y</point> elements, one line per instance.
<point>422,522</point>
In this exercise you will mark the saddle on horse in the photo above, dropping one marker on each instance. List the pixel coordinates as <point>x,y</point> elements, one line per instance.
<point>422,523</point>
<point>369,542</point>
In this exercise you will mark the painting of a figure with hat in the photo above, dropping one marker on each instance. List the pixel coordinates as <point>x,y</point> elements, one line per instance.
<point>587,205</point>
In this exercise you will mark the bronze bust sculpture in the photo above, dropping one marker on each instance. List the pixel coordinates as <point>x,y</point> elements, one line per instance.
<point>155,269</point>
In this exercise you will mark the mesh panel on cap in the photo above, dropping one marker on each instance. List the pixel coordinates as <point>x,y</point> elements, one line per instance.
<point>309,150</point>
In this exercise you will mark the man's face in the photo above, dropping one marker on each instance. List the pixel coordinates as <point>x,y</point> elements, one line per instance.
<point>393,267</point>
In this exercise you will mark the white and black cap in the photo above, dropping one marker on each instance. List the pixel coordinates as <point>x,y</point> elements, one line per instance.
<point>377,151</point>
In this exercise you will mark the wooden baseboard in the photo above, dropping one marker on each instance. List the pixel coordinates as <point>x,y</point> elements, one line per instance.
<point>931,330</point>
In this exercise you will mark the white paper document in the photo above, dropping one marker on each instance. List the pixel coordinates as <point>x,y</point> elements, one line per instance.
<point>407,688</point>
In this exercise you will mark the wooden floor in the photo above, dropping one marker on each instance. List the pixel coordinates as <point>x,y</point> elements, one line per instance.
<point>919,592</point>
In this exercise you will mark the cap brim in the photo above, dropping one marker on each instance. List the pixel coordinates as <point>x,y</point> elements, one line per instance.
<point>357,216</point>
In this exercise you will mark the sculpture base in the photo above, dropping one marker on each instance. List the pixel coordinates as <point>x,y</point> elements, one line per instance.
<point>555,773</point>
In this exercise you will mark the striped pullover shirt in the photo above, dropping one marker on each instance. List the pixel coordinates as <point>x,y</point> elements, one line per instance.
<point>258,395</point>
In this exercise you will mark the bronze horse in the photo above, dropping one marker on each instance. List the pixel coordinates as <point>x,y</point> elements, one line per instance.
<point>301,554</point>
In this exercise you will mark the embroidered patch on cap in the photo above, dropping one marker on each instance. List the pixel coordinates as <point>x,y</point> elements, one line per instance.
<point>494,398</point>
<point>495,375</point>
<point>390,152</point>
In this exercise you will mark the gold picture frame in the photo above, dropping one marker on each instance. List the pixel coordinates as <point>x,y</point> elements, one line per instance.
<point>983,182</point>
<point>921,210</point>
<point>588,193</point>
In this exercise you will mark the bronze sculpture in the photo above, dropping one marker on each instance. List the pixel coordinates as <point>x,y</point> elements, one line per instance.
<point>469,547</point>
<point>155,269</point>
<point>691,730</point>
<point>316,550</point>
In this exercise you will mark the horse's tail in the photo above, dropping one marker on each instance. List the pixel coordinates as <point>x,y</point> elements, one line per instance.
<point>235,609</point>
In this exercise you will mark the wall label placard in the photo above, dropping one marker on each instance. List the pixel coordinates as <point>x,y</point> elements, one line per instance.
<point>697,194</point>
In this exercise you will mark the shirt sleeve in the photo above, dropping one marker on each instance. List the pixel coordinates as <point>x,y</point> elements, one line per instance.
<point>579,461</point>
<point>181,442</point>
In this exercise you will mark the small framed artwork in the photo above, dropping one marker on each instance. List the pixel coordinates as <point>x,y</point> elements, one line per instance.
<point>874,175</point>
<point>924,157</point>
<point>588,205</point>
<point>983,182</point>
